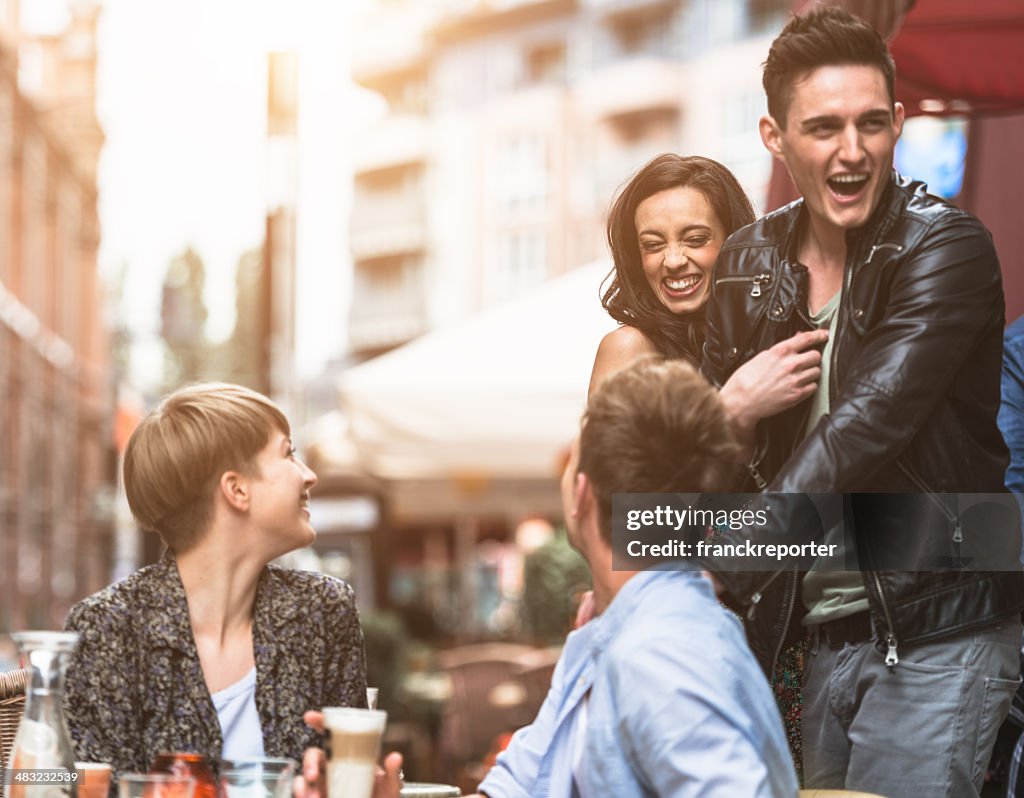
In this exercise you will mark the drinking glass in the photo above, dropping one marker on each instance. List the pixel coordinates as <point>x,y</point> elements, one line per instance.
<point>355,746</point>
<point>256,777</point>
<point>255,783</point>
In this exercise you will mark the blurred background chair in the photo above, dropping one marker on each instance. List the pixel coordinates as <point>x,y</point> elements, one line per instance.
<point>476,714</point>
<point>12,705</point>
<point>534,672</point>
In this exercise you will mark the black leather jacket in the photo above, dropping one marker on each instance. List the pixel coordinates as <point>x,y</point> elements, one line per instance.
<point>914,389</point>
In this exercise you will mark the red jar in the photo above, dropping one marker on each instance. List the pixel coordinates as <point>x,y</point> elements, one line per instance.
<point>184,763</point>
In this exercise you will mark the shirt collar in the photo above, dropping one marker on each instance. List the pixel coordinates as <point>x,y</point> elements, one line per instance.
<point>608,623</point>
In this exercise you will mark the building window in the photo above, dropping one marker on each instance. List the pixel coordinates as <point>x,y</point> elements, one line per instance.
<point>523,172</point>
<point>522,261</point>
<point>386,285</point>
<point>740,146</point>
<point>407,94</point>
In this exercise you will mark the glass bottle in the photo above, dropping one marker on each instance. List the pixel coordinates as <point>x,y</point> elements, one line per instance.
<point>42,746</point>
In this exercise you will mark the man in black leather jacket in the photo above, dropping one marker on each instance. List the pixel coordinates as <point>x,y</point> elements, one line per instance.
<point>908,673</point>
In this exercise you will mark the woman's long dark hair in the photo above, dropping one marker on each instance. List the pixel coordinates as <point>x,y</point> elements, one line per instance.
<point>629,298</point>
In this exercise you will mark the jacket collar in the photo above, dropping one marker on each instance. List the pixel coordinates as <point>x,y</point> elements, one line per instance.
<point>879,223</point>
<point>163,594</point>
<point>168,624</point>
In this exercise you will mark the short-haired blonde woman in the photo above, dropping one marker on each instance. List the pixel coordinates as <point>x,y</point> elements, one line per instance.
<point>212,649</point>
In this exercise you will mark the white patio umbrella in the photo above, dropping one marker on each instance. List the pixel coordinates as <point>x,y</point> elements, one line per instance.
<point>498,395</point>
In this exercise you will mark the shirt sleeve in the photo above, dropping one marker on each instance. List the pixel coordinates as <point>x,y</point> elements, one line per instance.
<point>100,685</point>
<point>1011,412</point>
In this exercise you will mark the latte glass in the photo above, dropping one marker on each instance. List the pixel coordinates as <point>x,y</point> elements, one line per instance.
<point>355,746</point>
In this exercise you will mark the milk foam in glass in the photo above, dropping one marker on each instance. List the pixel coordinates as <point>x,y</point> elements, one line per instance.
<point>355,747</point>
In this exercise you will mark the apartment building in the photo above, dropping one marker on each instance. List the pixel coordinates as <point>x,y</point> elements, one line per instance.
<point>56,450</point>
<point>510,125</point>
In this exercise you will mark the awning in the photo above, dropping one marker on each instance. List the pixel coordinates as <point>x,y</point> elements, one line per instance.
<point>964,55</point>
<point>496,396</point>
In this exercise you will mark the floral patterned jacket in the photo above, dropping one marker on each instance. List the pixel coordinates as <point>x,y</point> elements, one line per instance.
<point>135,686</point>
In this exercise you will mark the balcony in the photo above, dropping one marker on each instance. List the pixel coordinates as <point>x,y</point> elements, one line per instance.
<point>396,140</point>
<point>468,19</point>
<point>633,85</point>
<point>387,303</point>
<point>388,224</point>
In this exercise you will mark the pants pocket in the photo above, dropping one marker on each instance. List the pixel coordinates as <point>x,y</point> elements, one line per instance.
<point>995,706</point>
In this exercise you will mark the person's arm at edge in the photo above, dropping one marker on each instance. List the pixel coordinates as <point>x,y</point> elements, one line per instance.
<point>1011,410</point>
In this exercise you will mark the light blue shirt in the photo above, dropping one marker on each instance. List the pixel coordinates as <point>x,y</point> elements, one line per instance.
<point>678,706</point>
<point>239,720</point>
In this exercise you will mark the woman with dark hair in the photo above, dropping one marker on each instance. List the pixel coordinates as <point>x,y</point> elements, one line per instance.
<point>665,230</point>
<point>715,203</point>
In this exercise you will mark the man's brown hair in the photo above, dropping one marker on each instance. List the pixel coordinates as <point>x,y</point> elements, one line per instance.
<point>177,454</point>
<point>825,36</point>
<point>655,427</point>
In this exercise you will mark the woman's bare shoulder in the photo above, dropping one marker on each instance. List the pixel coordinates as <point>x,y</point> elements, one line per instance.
<point>627,340</point>
<point>618,349</point>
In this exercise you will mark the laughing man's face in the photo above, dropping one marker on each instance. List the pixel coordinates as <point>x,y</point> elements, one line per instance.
<point>841,131</point>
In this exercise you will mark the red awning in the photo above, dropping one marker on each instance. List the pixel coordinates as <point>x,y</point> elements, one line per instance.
<point>956,56</point>
<point>960,57</point>
<point>964,53</point>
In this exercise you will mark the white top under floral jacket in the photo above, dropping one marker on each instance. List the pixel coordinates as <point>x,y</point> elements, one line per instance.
<point>135,686</point>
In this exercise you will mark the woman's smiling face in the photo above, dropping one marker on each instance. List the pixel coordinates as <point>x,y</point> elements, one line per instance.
<point>679,237</point>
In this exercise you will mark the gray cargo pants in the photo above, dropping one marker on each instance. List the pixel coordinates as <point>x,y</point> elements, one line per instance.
<point>923,729</point>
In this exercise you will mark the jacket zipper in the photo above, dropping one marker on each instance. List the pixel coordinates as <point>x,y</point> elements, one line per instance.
<point>785,629</point>
<point>953,518</point>
<point>887,245</point>
<point>757,595</point>
<point>755,599</point>
<point>892,652</point>
<point>892,658</point>
<point>757,281</point>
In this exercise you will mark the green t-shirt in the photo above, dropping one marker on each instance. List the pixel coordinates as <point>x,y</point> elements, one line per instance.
<point>830,594</point>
